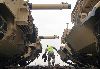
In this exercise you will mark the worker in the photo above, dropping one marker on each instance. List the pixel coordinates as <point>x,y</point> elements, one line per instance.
<point>50,51</point>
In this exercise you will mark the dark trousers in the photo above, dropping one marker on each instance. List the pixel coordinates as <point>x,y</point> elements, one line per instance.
<point>51,55</point>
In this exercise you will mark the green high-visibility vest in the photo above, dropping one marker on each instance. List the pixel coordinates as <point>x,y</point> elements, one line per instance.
<point>50,49</point>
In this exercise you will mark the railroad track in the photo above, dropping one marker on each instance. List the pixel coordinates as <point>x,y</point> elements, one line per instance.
<point>44,67</point>
<point>38,67</point>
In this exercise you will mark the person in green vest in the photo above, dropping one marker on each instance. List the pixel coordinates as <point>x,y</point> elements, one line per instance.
<point>50,50</point>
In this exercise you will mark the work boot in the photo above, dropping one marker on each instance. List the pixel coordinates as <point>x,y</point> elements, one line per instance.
<point>49,63</point>
<point>53,63</point>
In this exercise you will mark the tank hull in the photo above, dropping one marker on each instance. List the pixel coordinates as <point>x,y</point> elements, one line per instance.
<point>83,36</point>
<point>80,37</point>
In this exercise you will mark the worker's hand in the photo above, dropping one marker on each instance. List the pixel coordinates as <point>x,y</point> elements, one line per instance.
<point>56,49</point>
<point>45,52</point>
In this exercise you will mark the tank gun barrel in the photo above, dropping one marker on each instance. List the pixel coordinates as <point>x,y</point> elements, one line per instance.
<point>50,6</point>
<point>48,37</point>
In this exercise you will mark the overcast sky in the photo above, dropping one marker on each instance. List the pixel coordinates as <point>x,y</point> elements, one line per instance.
<point>51,22</point>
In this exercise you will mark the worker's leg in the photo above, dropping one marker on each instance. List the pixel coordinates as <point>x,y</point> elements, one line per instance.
<point>49,63</point>
<point>53,57</point>
<point>49,58</point>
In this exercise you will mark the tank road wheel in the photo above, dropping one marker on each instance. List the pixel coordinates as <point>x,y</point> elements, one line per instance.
<point>23,63</point>
<point>97,33</point>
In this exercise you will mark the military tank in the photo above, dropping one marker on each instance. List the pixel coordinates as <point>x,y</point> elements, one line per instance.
<point>83,40</point>
<point>19,40</point>
<point>17,32</point>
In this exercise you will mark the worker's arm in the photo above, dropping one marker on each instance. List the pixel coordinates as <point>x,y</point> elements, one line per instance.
<point>46,50</point>
<point>54,48</point>
<point>44,55</point>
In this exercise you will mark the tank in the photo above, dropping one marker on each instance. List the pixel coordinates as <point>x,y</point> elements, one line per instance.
<point>84,38</point>
<point>19,39</point>
<point>17,32</point>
